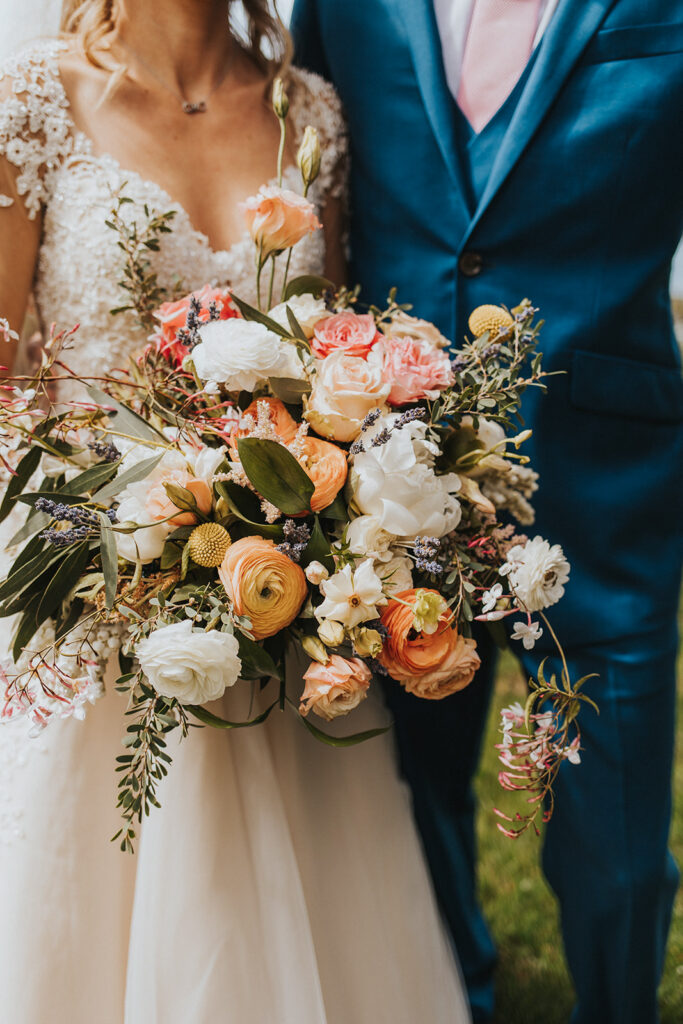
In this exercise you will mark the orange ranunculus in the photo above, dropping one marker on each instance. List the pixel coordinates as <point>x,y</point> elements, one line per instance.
<point>430,665</point>
<point>159,505</point>
<point>327,467</point>
<point>278,218</point>
<point>282,423</point>
<point>172,316</point>
<point>336,688</point>
<point>263,584</point>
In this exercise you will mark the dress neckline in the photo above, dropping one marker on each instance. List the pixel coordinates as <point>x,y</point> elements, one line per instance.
<point>84,145</point>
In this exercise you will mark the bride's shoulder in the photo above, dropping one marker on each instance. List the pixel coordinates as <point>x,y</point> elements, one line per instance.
<point>34,119</point>
<point>315,102</point>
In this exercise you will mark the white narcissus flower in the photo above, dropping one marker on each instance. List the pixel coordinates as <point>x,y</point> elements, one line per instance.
<point>395,481</point>
<point>192,667</point>
<point>242,354</point>
<point>351,595</point>
<point>537,573</point>
<point>527,633</point>
<point>308,311</point>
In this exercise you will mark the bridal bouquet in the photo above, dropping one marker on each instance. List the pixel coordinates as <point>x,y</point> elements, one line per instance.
<point>296,475</point>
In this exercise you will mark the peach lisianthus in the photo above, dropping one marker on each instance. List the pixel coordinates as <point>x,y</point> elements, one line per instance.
<point>263,584</point>
<point>172,316</point>
<point>336,688</point>
<point>413,369</point>
<point>278,218</point>
<point>327,467</point>
<point>353,333</point>
<point>159,506</point>
<point>429,665</point>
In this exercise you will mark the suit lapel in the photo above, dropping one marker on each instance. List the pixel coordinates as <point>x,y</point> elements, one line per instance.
<point>419,22</point>
<point>569,31</point>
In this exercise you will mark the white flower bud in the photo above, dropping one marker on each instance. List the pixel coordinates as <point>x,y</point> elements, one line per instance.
<point>315,573</point>
<point>280,99</point>
<point>309,156</point>
<point>331,632</point>
<point>315,650</point>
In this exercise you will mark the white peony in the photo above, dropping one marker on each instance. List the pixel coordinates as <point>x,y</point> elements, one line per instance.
<point>537,573</point>
<point>345,389</point>
<point>308,311</point>
<point>351,595</point>
<point>243,354</point>
<point>366,536</point>
<point>396,482</point>
<point>193,667</point>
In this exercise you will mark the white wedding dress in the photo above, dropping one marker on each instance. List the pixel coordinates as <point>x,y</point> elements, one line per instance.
<point>282,881</point>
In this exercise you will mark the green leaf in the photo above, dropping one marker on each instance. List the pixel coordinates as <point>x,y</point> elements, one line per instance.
<point>31,497</point>
<point>26,628</point>
<point>256,662</point>
<point>182,498</point>
<point>207,718</point>
<point>126,421</point>
<point>289,390</point>
<point>318,548</point>
<point>337,510</point>
<point>59,586</point>
<point>23,473</point>
<point>90,478</point>
<point>296,328</point>
<point>35,523</point>
<point>276,474</point>
<point>308,284</point>
<point>131,476</point>
<point>110,559</point>
<point>251,313</point>
<point>233,494</point>
<point>337,741</point>
<point>27,573</point>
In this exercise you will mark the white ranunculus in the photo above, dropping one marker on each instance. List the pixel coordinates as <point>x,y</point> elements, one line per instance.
<point>345,389</point>
<point>143,545</point>
<point>306,308</point>
<point>366,536</point>
<point>351,595</point>
<point>397,574</point>
<point>537,573</point>
<point>193,667</point>
<point>242,354</point>
<point>396,482</point>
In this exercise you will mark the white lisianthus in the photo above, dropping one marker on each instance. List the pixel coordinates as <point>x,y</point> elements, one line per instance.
<point>396,482</point>
<point>351,595</point>
<point>242,354</point>
<point>345,389</point>
<point>143,545</point>
<point>192,667</point>
<point>537,573</point>
<point>308,311</point>
<point>366,536</point>
<point>396,574</point>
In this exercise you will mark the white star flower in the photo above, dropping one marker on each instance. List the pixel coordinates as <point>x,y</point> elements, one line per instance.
<point>528,634</point>
<point>351,595</point>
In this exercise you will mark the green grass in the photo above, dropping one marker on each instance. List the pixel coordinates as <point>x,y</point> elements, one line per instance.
<point>533,986</point>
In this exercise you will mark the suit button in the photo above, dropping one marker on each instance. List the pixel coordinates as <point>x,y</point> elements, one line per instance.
<point>471,263</point>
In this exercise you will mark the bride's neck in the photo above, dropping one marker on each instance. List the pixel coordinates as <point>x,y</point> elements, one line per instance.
<point>188,45</point>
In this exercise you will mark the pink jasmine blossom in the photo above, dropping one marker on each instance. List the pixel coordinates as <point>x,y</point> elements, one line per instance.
<point>527,633</point>
<point>491,597</point>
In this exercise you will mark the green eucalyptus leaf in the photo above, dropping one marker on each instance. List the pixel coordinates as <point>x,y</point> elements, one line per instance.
<point>61,582</point>
<point>276,474</point>
<point>308,284</point>
<point>126,421</point>
<point>296,328</point>
<point>131,476</point>
<point>90,479</point>
<point>251,313</point>
<point>110,559</point>
<point>26,627</point>
<point>207,718</point>
<point>24,471</point>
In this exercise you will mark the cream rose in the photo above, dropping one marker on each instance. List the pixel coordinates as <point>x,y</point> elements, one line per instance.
<point>402,325</point>
<point>192,667</point>
<point>345,389</point>
<point>242,354</point>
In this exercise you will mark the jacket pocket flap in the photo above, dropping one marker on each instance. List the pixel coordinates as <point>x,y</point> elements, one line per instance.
<point>626,387</point>
<point>639,41</point>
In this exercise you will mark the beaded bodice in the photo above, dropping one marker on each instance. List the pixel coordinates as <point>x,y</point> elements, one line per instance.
<point>61,179</point>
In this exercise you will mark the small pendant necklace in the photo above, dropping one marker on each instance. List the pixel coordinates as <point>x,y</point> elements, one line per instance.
<point>187,106</point>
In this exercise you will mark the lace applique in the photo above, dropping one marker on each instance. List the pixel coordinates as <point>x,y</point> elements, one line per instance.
<point>35,128</point>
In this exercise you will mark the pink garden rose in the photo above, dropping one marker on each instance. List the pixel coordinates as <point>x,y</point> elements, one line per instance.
<point>336,688</point>
<point>413,368</point>
<point>172,316</point>
<point>278,218</point>
<point>352,333</point>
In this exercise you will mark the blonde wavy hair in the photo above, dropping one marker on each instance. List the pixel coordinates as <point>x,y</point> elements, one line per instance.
<point>90,22</point>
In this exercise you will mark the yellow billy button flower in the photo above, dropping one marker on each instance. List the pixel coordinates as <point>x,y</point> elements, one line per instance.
<point>494,319</point>
<point>209,544</point>
<point>428,610</point>
<point>309,156</point>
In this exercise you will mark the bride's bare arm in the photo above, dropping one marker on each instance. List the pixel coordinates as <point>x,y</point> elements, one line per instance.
<point>19,241</point>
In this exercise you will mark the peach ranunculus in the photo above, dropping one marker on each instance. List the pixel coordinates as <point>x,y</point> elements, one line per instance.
<point>345,389</point>
<point>172,316</point>
<point>402,325</point>
<point>327,467</point>
<point>284,425</point>
<point>429,665</point>
<point>336,688</point>
<point>263,584</point>
<point>353,333</point>
<point>278,218</point>
<point>414,369</point>
<point>159,506</point>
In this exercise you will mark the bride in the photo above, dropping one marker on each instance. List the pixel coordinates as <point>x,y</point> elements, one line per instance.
<point>282,881</point>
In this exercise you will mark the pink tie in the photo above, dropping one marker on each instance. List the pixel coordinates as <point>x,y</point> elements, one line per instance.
<point>499,44</point>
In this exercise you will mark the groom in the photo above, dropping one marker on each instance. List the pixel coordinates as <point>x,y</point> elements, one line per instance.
<point>504,148</point>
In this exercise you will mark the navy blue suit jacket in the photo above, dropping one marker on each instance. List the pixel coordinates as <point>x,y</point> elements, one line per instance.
<point>582,213</point>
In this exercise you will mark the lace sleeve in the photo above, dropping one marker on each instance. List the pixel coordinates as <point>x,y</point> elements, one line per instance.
<point>314,101</point>
<point>35,128</point>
